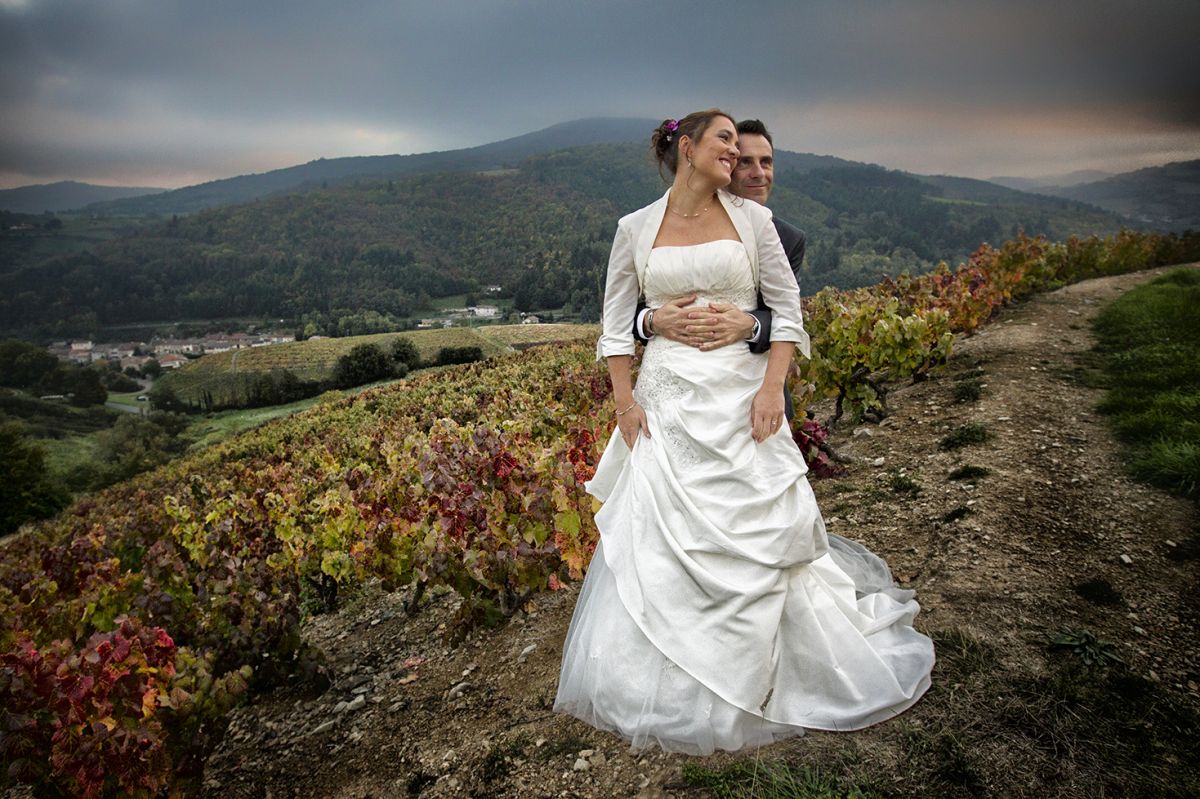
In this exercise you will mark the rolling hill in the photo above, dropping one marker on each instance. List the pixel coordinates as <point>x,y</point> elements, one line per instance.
<point>323,171</point>
<point>541,229</point>
<point>65,195</point>
<point>1165,197</point>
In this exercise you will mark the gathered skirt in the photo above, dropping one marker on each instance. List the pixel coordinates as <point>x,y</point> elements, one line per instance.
<point>717,612</point>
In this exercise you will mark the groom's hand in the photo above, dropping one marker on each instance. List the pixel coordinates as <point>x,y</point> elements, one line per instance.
<point>718,325</point>
<point>671,319</point>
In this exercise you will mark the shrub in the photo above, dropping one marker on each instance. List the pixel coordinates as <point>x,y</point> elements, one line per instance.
<point>26,490</point>
<point>973,433</point>
<point>404,353</point>
<point>366,363</point>
<point>450,355</point>
<point>969,473</point>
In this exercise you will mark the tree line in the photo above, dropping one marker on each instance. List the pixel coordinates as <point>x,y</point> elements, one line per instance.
<point>542,232</point>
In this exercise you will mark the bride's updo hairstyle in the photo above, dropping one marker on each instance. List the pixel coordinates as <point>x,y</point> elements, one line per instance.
<point>664,141</point>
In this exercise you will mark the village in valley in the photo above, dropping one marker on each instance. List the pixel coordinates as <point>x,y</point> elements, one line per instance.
<point>170,353</point>
<point>175,352</point>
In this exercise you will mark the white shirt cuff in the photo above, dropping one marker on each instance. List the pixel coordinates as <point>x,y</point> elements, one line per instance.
<point>641,324</point>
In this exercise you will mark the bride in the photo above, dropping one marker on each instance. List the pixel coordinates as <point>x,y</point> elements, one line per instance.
<point>717,613</point>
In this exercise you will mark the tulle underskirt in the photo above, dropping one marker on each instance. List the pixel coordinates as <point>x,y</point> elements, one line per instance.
<point>615,679</point>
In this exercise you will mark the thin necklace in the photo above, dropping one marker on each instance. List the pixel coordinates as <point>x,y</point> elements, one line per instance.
<point>701,212</point>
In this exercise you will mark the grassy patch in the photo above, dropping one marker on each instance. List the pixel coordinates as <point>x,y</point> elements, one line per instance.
<point>1149,343</point>
<point>954,767</point>
<point>568,744</point>
<point>769,779</point>
<point>903,485</point>
<point>969,473</point>
<point>973,373</point>
<point>1059,728</point>
<point>1120,729</point>
<point>973,433</point>
<point>215,427</point>
<point>968,390</point>
<point>960,654</point>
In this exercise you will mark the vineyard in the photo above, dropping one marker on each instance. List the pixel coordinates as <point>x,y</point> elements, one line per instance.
<point>134,621</point>
<point>314,359</point>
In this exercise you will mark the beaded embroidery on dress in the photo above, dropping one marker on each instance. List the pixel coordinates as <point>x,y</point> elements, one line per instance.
<point>717,612</point>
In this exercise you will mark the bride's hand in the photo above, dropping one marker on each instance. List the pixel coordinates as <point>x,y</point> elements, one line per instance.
<point>671,319</point>
<point>766,413</point>
<point>722,325</point>
<point>631,424</point>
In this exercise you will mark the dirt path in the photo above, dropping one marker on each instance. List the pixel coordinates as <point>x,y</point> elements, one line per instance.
<point>1054,516</point>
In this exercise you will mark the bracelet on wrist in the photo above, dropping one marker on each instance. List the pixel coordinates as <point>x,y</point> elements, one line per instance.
<point>627,410</point>
<point>650,322</point>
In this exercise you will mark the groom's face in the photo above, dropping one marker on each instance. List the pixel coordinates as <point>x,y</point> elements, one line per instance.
<point>755,171</point>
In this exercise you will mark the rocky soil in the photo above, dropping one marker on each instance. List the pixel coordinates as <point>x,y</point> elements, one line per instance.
<point>999,562</point>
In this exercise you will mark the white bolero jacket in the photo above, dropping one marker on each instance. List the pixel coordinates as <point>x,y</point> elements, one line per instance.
<point>631,252</point>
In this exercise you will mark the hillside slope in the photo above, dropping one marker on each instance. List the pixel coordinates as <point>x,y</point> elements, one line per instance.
<point>542,231</point>
<point>65,195</point>
<point>1167,197</point>
<point>245,188</point>
<point>1054,515</point>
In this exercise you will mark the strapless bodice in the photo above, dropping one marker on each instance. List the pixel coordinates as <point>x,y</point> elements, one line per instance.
<point>717,271</point>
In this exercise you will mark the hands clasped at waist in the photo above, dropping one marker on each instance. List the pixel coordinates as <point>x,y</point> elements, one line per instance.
<point>704,326</point>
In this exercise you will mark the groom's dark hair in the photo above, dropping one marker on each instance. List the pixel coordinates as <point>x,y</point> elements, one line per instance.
<point>756,127</point>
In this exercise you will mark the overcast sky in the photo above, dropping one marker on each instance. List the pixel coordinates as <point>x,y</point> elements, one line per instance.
<point>174,92</point>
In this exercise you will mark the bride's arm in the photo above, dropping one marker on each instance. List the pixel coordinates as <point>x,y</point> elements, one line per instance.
<point>766,411</point>
<point>621,292</point>
<point>777,284</point>
<point>631,419</point>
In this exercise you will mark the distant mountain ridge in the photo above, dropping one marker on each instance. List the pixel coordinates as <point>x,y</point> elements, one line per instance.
<point>495,155</point>
<point>1166,197</point>
<point>364,253</point>
<point>66,195</point>
<point>1069,179</point>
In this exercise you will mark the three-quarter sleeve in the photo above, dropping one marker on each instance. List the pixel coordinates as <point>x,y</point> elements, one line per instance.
<point>621,292</point>
<point>779,289</point>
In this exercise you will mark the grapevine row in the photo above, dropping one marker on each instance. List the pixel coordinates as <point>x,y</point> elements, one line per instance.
<point>133,622</point>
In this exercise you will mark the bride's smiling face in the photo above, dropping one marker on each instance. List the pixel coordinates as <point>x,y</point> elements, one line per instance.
<point>715,154</point>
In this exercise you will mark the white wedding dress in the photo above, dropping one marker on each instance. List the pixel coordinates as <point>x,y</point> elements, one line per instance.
<point>717,613</point>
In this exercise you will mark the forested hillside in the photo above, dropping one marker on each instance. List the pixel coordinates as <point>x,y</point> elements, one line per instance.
<point>1162,196</point>
<point>541,231</point>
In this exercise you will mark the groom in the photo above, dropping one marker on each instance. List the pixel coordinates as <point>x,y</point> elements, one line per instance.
<point>679,320</point>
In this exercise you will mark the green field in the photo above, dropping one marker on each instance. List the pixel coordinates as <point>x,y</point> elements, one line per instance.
<point>79,232</point>
<point>314,359</point>
<point>1150,345</point>
<point>212,428</point>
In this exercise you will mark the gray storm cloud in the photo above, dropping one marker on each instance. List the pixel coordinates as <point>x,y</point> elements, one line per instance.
<point>130,91</point>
